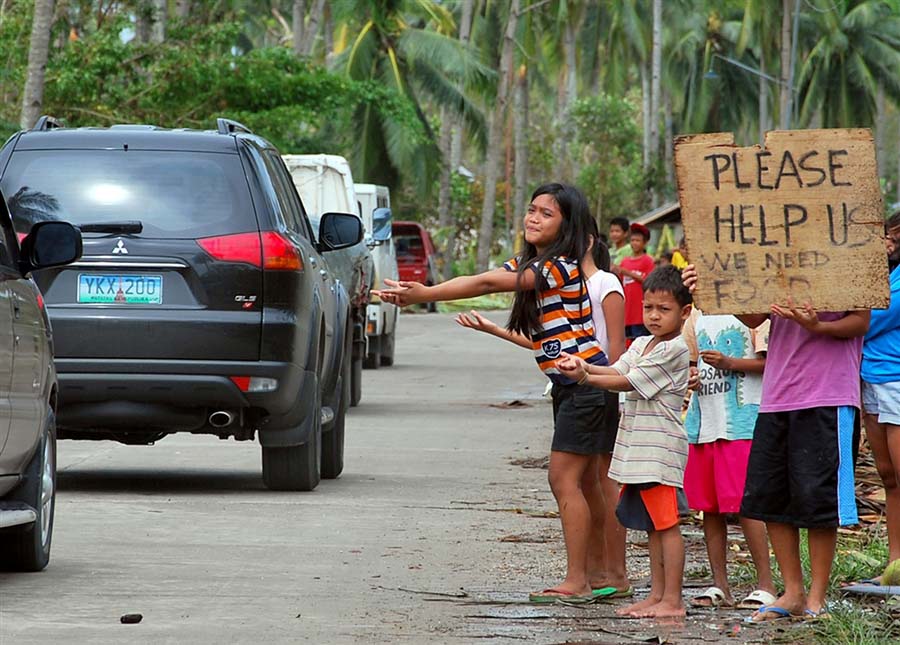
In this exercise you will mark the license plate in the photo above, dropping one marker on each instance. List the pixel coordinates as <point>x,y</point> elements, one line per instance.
<point>120,289</point>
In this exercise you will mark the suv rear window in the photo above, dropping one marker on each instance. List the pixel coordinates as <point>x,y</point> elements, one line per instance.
<point>173,194</point>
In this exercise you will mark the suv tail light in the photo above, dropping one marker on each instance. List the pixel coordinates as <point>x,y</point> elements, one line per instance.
<point>267,250</point>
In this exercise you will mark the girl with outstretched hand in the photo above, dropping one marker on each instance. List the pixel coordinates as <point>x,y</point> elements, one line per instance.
<point>552,310</point>
<point>606,546</point>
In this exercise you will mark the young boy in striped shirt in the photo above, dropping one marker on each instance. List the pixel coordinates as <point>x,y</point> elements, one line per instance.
<point>651,447</point>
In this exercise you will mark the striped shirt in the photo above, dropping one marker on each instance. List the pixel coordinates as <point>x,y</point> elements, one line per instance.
<point>652,445</point>
<point>565,316</point>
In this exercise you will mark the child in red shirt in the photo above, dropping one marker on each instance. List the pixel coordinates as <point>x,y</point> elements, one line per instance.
<point>634,270</point>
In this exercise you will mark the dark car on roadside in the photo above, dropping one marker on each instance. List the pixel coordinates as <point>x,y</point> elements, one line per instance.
<point>28,392</point>
<point>415,254</point>
<point>202,302</point>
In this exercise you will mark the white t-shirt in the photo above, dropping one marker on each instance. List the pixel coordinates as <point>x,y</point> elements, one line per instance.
<point>600,285</point>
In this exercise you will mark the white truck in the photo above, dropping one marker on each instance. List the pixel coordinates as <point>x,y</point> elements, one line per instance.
<point>325,185</point>
<point>381,317</point>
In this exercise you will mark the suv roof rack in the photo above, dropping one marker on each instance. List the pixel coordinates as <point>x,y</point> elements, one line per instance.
<point>229,126</point>
<point>47,123</point>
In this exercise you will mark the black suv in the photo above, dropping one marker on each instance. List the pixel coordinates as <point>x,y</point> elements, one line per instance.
<point>202,303</point>
<point>28,393</point>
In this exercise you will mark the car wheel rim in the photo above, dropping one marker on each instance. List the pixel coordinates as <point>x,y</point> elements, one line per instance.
<point>47,484</point>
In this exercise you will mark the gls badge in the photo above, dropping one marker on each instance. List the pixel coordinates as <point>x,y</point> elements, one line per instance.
<point>551,348</point>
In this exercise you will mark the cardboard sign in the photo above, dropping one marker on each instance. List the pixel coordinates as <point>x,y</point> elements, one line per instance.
<point>800,217</point>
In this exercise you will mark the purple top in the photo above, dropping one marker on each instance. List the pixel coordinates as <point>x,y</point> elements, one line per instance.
<point>807,370</point>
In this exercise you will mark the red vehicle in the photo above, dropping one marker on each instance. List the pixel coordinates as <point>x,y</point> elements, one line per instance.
<point>415,254</point>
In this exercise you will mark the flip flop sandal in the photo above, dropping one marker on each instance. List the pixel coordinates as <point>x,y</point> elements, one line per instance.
<point>809,614</point>
<point>757,599</point>
<point>780,614</point>
<point>552,595</point>
<point>714,595</point>
<point>608,593</point>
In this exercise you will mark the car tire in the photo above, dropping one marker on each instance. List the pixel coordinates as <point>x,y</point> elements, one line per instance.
<point>27,547</point>
<point>356,382</point>
<point>387,349</point>
<point>333,439</point>
<point>296,467</point>
<point>373,357</point>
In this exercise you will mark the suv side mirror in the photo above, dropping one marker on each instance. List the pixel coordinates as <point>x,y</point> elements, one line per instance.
<point>381,224</point>
<point>49,244</point>
<point>339,231</point>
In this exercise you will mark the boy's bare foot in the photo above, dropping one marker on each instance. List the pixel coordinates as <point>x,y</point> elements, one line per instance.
<point>664,609</point>
<point>636,608</point>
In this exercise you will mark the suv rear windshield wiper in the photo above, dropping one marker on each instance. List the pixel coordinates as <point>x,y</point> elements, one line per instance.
<point>113,228</point>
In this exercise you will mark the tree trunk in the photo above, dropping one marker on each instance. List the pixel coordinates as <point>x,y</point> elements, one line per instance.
<point>655,93</point>
<point>158,24</point>
<point>495,141</point>
<point>669,139</point>
<point>38,51</point>
<point>655,74</point>
<point>570,95</point>
<point>645,114</point>
<point>465,31</point>
<point>312,30</point>
<point>183,8</point>
<point>328,33</point>
<point>444,214</point>
<point>785,92</point>
<point>520,137</point>
<point>298,18</point>
<point>763,97</point>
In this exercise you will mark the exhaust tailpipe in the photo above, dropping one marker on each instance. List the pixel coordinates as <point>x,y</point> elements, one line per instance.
<point>221,418</point>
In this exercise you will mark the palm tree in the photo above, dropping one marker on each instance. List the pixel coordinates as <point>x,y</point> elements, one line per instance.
<point>406,45</point>
<point>856,49</point>
<point>38,52</point>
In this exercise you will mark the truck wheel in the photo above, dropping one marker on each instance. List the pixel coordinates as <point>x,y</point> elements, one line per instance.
<point>356,382</point>
<point>27,547</point>
<point>387,348</point>
<point>373,357</point>
<point>296,467</point>
<point>333,439</point>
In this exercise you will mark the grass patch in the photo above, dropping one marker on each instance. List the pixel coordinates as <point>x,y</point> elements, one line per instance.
<point>490,302</point>
<point>853,625</point>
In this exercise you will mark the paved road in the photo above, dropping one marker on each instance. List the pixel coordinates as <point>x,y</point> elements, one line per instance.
<point>184,532</point>
<point>429,508</point>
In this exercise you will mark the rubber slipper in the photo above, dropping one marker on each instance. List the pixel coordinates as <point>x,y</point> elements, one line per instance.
<point>809,614</point>
<point>613,592</point>
<point>714,595</point>
<point>757,599</point>
<point>762,611</point>
<point>554,594</point>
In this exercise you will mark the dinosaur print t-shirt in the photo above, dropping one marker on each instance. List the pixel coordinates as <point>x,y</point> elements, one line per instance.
<point>727,402</point>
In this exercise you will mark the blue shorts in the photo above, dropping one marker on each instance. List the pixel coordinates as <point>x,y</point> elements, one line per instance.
<point>883,400</point>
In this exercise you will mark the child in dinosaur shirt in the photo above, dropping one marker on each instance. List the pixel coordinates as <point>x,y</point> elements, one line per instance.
<point>730,358</point>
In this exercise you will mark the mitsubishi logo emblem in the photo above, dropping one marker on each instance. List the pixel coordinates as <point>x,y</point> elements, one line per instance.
<point>120,248</point>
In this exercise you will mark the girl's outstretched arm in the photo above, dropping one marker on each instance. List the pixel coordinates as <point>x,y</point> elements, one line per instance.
<point>467,286</point>
<point>474,320</point>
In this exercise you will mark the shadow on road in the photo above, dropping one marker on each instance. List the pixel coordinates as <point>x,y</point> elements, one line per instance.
<point>113,481</point>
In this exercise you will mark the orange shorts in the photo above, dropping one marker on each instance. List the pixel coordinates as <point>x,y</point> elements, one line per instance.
<point>648,507</point>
